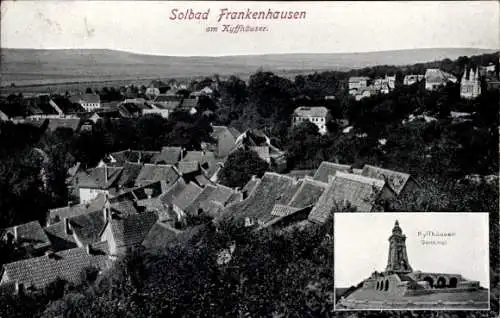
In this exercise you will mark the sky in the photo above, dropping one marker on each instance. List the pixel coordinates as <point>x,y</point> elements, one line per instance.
<point>361,242</point>
<point>328,27</point>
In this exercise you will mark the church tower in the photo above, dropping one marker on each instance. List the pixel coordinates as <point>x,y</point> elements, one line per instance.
<point>398,259</point>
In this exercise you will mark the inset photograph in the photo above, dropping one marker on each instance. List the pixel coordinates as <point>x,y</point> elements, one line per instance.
<point>411,261</point>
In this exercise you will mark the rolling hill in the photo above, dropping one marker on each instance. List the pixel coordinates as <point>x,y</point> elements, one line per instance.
<point>26,67</point>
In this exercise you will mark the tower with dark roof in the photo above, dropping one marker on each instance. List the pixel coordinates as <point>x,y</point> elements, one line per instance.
<point>398,258</point>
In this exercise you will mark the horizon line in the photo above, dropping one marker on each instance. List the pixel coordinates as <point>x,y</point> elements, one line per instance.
<point>250,54</point>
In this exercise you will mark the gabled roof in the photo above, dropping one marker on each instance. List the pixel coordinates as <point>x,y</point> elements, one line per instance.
<point>167,197</point>
<point>129,174</point>
<point>96,204</point>
<point>132,230</point>
<point>361,192</point>
<point>200,156</point>
<point>186,167</point>
<point>30,233</point>
<point>327,169</point>
<point>87,227</point>
<point>169,155</point>
<point>124,208</point>
<point>187,196</point>
<point>235,198</point>
<point>68,265</point>
<point>222,130</point>
<point>152,189</point>
<point>166,98</point>
<point>262,152</point>
<point>134,156</point>
<point>151,173</point>
<point>394,179</point>
<point>205,194</point>
<point>71,123</point>
<point>160,235</point>
<point>221,194</point>
<point>308,194</point>
<point>98,178</point>
<point>435,75</point>
<point>59,239</point>
<point>202,180</point>
<point>272,189</point>
<point>306,111</point>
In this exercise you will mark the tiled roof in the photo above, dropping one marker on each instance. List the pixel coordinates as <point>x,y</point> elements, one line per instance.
<point>132,230</point>
<point>96,178</point>
<point>308,193</point>
<point>153,189</point>
<point>87,227</point>
<point>186,167</point>
<point>167,197</point>
<point>141,156</point>
<point>221,194</point>
<point>327,169</point>
<point>60,240</point>
<point>169,155</point>
<point>359,191</point>
<point>187,196</point>
<point>300,173</point>
<point>220,130</point>
<point>160,235</point>
<point>235,198</point>
<point>213,208</point>
<point>437,76</point>
<point>262,152</point>
<point>30,233</point>
<point>71,123</point>
<point>152,173</point>
<point>202,180</point>
<point>129,174</point>
<point>394,179</point>
<point>68,265</point>
<point>91,98</point>
<point>200,156</point>
<point>166,98</point>
<point>304,111</point>
<point>152,204</point>
<point>123,208</point>
<point>283,210</point>
<point>250,186</point>
<point>272,189</point>
<point>189,102</point>
<point>205,194</point>
<point>96,204</point>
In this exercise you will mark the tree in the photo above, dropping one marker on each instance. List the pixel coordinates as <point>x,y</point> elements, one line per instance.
<point>240,167</point>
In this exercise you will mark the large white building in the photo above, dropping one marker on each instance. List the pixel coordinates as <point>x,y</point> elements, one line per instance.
<point>89,102</point>
<point>316,115</point>
<point>435,78</point>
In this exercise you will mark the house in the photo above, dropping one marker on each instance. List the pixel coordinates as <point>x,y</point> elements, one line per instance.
<point>272,189</point>
<point>358,82</point>
<point>327,169</point>
<point>195,208</point>
<point>470,87</point>
<point>123,234</point>
<point>308,193</point>
<point>399,182</point>
<point>59,214</point>
<point>140,156</point>
<point>132,110</point>
<point>315,115</point>
<point>225,140</point>
<point>168,101</point>
<point>39,272</point>
<point>347,190</point>
<point>128,176</point>
<point>29,236</point>
<point>185,198</point>
<point>151,173</point>
<point>163,109</point>
<point>435,78</point>
<point>412,79</point>
<point>89,102</point>
<point>169,155</point>
<point>97,180</point>
<point>221,195</point>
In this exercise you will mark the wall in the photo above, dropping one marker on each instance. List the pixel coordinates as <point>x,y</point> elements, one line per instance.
<point>88,194</point>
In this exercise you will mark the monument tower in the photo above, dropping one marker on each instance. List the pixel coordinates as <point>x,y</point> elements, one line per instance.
<point>398,259</point>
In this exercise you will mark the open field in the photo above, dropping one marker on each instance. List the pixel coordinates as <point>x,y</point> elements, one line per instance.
<point>72,69</point>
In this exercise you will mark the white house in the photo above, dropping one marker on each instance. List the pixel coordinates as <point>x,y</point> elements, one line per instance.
<point>316,115</point>
<point>435,78</point>
<point>89,102</point>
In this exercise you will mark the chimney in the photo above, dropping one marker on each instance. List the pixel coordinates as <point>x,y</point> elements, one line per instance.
<point>254,177</point>
<point>15,233</point>
<point>149,192</point>
<point>19,288</point>
<point>88,249</point>
<point>67,227</point>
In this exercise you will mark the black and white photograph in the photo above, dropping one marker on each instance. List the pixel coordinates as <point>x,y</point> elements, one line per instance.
<point>191,158</point>
<point>411,261</point>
